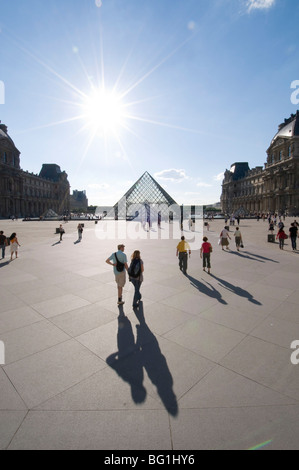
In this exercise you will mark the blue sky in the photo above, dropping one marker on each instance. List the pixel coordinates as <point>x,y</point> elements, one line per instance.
<point>109,89</point>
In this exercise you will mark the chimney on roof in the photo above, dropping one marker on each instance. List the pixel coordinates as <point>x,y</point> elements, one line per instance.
<point>3,127</point>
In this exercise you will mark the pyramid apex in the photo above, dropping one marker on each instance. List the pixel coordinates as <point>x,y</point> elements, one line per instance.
<point>146,191</point>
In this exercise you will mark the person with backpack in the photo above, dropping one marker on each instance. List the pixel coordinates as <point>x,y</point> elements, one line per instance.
<point>120,265</point>
<point>135,272</point>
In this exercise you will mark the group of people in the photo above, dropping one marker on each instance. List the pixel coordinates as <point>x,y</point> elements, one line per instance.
<point>12,242</point>
<point>224,238</point>
<point>293,234</point>
<point>80,229</point>
<point>135,271</point>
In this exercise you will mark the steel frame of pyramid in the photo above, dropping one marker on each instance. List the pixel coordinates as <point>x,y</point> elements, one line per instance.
<point>145,192</point>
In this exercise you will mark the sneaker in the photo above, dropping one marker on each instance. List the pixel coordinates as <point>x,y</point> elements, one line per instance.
<point>120,302</point>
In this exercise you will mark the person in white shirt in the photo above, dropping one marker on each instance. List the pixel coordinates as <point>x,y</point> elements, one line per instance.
<point>224,236</point>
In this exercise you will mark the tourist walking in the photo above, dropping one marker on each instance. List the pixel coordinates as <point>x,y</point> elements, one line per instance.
<point>281,236</point>
<point>271,227</point>
<point>293,230</point>
<point>224,237</point>
<point>14,245</point>
<point>238,238</point>
<point>3,243</point>
<point>120,265</point>
<point>159,219</point>
<point>80,232</point>
<point>61,232</point>
<point>135,272</point>
<point>205,253</point>
<point>182,251</point>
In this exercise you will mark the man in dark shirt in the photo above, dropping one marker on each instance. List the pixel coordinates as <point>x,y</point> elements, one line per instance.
<point>293,235</point>
<point>3,243</point>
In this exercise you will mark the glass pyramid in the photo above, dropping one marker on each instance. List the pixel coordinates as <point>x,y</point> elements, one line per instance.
<point>146,192</point>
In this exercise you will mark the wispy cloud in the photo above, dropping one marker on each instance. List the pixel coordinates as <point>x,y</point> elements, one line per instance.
<point>172,175</point>
<point>201,184</point>
<point>260,4</point>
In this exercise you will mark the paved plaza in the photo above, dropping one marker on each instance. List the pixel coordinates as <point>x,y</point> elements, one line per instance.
<point>204,364</point>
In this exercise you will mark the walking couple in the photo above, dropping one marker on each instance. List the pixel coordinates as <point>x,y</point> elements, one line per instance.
<point>135,271</point>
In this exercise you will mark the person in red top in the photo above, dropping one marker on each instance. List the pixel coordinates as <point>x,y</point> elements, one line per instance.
<point>205,254</point>
<point>282,236</point>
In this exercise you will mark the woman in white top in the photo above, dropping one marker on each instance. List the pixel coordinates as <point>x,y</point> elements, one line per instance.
<point>224,236</point>
<point>14,244</point>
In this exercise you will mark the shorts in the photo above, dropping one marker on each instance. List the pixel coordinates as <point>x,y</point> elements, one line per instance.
<point>120,279</point>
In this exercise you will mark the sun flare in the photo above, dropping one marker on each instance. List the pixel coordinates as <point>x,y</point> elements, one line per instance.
<point>103,111</point>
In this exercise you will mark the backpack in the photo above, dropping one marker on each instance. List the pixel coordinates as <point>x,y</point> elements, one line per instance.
<point>135,268</point>
<point>119,266</point>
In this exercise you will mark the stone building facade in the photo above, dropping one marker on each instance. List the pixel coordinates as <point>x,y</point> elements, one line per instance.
<point>78,201</point>
<point>273,188</point>
<point>24,194</point>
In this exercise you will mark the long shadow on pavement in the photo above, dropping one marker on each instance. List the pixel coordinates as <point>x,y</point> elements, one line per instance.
<point>131,359</point>
<point>204,289</point>
<point>261,257</point>
<point>5,263</point>
<point>243,255</point>
<point>252,256</point>
<point>236,290</point>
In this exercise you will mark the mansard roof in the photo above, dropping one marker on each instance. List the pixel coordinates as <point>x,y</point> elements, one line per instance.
<point>5,138</point>
<point>51,171</point>
<point>289,128</point>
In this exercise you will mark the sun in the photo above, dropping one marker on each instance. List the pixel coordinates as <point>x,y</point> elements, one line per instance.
<point>103,111</point>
